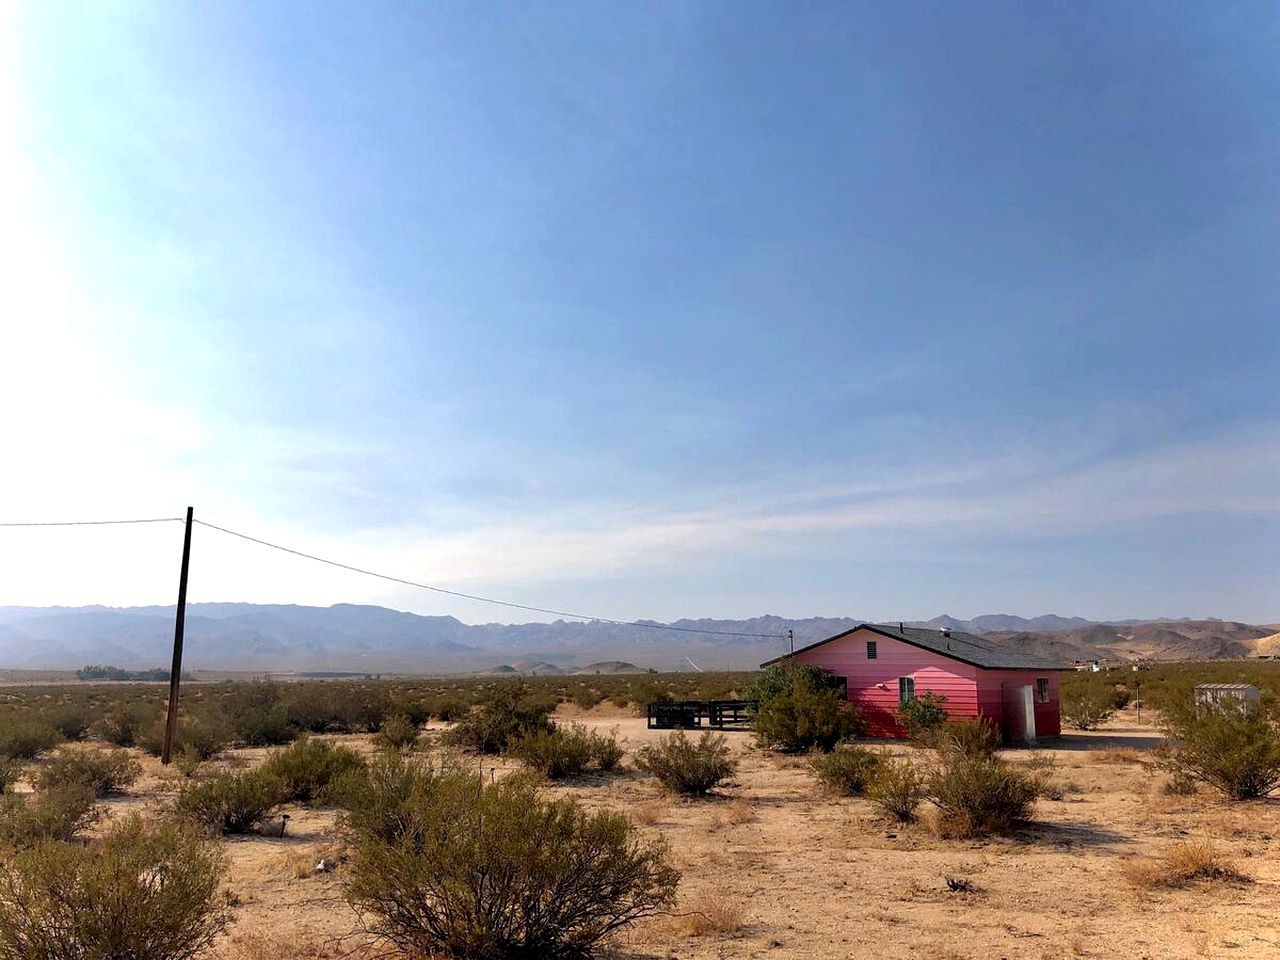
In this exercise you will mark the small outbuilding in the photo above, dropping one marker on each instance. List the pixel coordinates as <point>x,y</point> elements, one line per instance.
<point>1220,693</point>
<point>884,665</point>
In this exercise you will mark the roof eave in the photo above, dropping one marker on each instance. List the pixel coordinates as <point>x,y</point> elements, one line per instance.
<point>949,654</point>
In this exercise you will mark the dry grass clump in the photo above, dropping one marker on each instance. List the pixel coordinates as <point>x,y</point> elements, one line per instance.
<point>649,814</point>
<point>1118,755</point>
<point>733,814</point>
<point>1179,785</point>
<point>713,915</point>
<point>1182,864</point>
<point>258,946</point>
<point>301,864</point>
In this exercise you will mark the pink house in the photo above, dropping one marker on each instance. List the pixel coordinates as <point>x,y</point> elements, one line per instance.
<point>884,665</point>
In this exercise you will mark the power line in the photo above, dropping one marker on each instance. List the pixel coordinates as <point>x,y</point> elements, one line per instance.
<point>471,596</point>
<point>90,523</point>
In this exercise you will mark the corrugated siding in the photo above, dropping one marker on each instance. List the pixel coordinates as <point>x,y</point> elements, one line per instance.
<point>873,684</point>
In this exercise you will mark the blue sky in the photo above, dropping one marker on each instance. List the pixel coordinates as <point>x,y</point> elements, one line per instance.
<point>649,310</point>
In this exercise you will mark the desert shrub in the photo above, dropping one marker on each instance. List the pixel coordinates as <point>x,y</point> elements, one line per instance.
<point>24,738</point>
<point>306,769</point>
<point>977,795</point>
<point>263,727</point>
<point>606,751</point>
<point>10,773</point>
<point>1234,748</point>
<point>897,789</point>
<point>1087,707</point>
<point>800,709</point>
<point>558,753</point>
<point>143,892</point>
<point>122,724</point>
<point>449,709</point>
<point>203,736</point>
<point>428,843</point>
<point>59,813</point>
<point>923,716</point>
<point>1181,864</point>
<point>646,692</point>
<point>785,676</point>
<point>257,714</point>
<point>567,751</point>
<point>688,767</point>
<point>230,802</point>
<point>586,697</point>
<point>974,738</point>
<point>506,717</point>
<point>103,771</point>
<point>1121,697</point>
<point>397,733</point>
<point>414,709</point>
<point>847,771</point>
<point>72,721</point>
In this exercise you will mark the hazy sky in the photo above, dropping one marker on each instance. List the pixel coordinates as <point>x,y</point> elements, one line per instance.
<point>648,310</point>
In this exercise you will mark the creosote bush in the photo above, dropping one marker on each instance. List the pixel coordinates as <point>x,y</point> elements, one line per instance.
<point>142,892</point>
<point>58,813</point>
<point>24,739</point>
<point>1232,747</point>
<point>72,721</point>
<point>10,773</point>
<point>980,794</point>
<point>230,802</point>
<point>199,736</point>
<point>923,716</point>
<point>847,771</point>
<point>688,767</point>
<point>801,709</point>
<point>104,772</point>
<point>444,864</point>
<point>307,769</point>
<point>498,723</point>
<point>125,722</point>
<point>397,733</point>
<point>567,751</point>
<point>973,738</point>
<point>897,789</point>
<point>1088,706</point>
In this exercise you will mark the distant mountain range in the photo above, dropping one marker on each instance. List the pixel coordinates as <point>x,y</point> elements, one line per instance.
<point>275,637</point>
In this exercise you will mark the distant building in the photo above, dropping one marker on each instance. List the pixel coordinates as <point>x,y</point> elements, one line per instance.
<point>1217,693</point>
<point>883,665</point>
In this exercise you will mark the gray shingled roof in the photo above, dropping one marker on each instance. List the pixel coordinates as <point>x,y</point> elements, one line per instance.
<point>966,647</point>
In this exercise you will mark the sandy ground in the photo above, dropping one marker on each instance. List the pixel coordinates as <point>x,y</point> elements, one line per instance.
<point>796,873</point>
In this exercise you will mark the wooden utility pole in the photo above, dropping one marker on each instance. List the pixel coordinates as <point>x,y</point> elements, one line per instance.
<point>791,639</point>
<point>175,672</point>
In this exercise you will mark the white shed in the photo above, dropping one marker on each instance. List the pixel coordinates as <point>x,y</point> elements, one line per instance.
<point>1216,693</point>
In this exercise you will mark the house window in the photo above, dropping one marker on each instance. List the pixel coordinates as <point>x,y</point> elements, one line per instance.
<point>841,687</point>
<point>871,649</point>
<point>906,689</point>
<point>1042,690</point>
